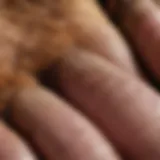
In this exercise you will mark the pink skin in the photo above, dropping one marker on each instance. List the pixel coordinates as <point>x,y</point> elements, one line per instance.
<point>122,105</point>
<point>106,109</point>
<point>12,147</point>
<point>140,20</point>
<point>57,130</point>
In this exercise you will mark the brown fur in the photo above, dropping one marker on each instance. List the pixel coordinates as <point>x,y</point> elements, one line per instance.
<point>34,32</point>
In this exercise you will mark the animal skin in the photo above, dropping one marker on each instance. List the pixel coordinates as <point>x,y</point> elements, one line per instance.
<point>33,33</point>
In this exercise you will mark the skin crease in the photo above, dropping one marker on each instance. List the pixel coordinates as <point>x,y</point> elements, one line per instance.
<point>19,150</point>
<point>144,16</point>
<point>105,96</point>
<point>59,131</point>
<point>122,105</point>
<point>35,33</point>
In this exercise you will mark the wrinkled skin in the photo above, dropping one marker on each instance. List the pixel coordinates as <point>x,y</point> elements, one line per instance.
<point>106,109</point>
<point>34,33</point>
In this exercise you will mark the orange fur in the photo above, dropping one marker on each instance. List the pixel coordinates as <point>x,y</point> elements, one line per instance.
<point>33,33</point>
